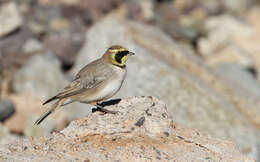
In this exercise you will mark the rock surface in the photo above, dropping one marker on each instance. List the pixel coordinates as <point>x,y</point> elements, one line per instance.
<point>5,136</point>
<point>10,18</point>
<point>235,42</point>
<point>143,130</point>
<point>6,109</point>
<point>26,107</point>
<point>196,96</point>
<point>40,76</point>
<point>39,79</point>
<point>240,76</point>
<point>32,45</point>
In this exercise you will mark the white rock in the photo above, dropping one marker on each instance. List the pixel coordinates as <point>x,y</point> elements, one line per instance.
<point>222,30</point>
<point>32,45</point>
<point>41,76</point>
<point>10,18</point>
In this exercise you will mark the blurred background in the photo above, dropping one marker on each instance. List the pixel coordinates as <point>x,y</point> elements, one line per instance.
<point>200,57</point>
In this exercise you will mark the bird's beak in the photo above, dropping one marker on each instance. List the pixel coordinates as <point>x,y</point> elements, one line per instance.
<point>131,53</point>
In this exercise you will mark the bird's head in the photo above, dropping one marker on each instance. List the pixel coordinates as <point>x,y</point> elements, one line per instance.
<point>117,55</point>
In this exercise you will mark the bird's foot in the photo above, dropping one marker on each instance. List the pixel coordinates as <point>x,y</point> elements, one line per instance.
<point>102,109</point>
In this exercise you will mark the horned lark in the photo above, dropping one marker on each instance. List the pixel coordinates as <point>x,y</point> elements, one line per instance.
<point>96,82</point>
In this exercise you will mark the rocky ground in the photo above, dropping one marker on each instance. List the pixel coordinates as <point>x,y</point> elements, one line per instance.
<point>199,57</point>
<point>143,130</point>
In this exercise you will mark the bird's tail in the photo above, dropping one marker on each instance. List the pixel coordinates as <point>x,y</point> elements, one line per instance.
<point>49,111</point>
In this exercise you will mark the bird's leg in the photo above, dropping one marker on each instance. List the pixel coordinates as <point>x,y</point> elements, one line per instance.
<point>102,109</point>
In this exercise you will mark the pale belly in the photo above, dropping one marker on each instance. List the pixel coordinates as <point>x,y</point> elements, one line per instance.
<point>107,91</point>
<point>111,89</point>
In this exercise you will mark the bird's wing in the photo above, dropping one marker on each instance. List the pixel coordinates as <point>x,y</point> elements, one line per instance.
<point>89,77</point>
<point>78,86</point>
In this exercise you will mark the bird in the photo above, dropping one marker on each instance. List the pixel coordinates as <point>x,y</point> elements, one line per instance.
<point>96,82</point>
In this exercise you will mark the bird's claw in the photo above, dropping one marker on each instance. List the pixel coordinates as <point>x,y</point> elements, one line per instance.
<point>105,111</point>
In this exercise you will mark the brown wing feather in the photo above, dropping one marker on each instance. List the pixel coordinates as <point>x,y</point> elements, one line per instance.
<point>88,77</point>
<point>73,86</point>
